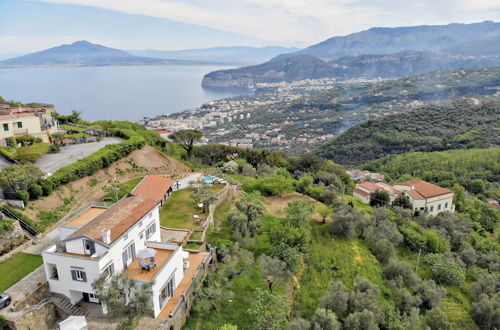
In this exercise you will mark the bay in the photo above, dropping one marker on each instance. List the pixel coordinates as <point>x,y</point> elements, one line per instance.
<point>113,92</point>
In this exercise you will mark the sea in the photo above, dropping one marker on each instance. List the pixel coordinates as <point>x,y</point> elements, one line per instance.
<point>113,92</point>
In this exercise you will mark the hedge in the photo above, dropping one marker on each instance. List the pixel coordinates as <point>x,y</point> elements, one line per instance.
<point>7,154</point>
<point>98,160</point>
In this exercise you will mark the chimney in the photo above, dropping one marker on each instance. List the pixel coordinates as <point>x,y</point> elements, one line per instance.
<point>106,236</point>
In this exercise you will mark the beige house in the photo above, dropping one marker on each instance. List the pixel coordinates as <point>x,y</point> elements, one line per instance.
<point>32,120</point>
<point>427,197</point>
<point>364,189</point>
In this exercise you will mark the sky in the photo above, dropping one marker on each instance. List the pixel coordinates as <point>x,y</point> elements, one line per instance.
<point>32,25</point>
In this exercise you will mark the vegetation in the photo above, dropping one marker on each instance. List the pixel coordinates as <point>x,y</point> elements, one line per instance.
<point>124,298</point>
<point>457,124</point>
<point>17,267</point>
<point>186,139</point>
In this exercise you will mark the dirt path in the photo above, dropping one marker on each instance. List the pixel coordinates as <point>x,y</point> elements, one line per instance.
<point>276,205</point>
<point>72,196</point>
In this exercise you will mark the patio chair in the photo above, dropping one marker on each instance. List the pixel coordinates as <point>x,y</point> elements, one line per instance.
<point>143,266</point>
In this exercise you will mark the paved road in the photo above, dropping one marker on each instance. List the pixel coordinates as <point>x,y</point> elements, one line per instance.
<point>50,163</point>
<point>187,181</point>
<point>4,162</point>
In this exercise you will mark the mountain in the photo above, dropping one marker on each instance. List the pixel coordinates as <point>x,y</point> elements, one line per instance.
<point>287,69</point>
<point>377,52</point>
<point>238,55</point>
<point>455,124</point>
<point>81,53</point>
<point>394,40</point>
<point>301,67</point>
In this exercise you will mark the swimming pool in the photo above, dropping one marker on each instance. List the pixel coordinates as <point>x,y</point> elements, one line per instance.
<point>207,179</point>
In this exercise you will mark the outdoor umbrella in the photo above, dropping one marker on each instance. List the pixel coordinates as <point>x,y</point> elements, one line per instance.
<point>146,253</point>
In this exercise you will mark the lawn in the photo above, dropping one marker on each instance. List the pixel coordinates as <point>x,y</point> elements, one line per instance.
<point>16,268</point>
<point>179,209</point>
<point>124,189</point>
<point>357,203</point>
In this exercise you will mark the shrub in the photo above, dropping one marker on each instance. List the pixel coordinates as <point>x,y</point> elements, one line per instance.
<point>7,153</point>
<point>275,185</point>
<point>444,270</point>
<point>24,196</point>
<point>36,191</point>
<point>47,187</point>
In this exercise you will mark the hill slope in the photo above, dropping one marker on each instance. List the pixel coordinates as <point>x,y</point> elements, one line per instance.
<point>79,53</point>
<point>457,124</point>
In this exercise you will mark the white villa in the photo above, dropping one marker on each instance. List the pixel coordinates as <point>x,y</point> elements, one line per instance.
<point>428,197</point>
<point>423,196</point>
<point>100,241</point>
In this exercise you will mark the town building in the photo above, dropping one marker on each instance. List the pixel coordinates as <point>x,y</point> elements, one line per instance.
<point>101,241</point>
<point>155,187</point>
<point>364,189</point>
<point>427,197</point>
<point>359,175</point>
<point>33,120</point>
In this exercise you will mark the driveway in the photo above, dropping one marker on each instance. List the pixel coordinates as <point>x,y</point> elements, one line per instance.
<point>50,163</point>
<point>186,182</point>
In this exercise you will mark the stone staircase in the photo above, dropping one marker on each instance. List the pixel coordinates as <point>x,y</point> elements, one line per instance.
<point>65,304</point>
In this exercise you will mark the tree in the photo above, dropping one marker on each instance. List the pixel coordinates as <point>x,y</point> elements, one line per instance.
<point>273,270</point>
<point>379,197</point>
<point>364,320</point>
<point>268,311</point>
<point>437,319</point>
<point>273,185</point>
<point>402,201</point>
<point>186,139</point>
<point>230,167</point>
<point>486,311</point>
<point>124,297</point>
<point>444,270</point>
<point>304,182</point>
<point>298,324</point>
<point>346,222</point>
<point>431,294</point>
<point>336,299</point>
<point>228,327</point>
<point>245,222</point>
<point>203,194</point>
<point>325,211</point>
<point>298,213</point>
<point>324,319</point>
<point>19,177</point>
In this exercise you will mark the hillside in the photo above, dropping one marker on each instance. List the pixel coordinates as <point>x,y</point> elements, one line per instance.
<point>475,169</point>
<point>287,69</point>
<point>398,39</point>
<point>458,124</point>
<point>81,53</point>
<point>239,55</point>
<point>377,52</point>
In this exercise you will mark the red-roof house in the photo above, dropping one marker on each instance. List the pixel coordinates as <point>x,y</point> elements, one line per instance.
<point>155,187</point>
<point>427,197</point>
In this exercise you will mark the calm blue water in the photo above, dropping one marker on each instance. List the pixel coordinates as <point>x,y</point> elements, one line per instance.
<point>114,92</point>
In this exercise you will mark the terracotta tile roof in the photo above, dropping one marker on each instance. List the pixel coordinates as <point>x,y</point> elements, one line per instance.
<point>369,186</point>
<point>153,186</point>
<point>361,192</point>
<point>425,189</point>
<point>118,218</point>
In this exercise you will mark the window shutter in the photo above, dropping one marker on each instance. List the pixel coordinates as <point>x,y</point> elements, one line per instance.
<point>73,275</point>
<point>111,269</point>
<point>84,276</point>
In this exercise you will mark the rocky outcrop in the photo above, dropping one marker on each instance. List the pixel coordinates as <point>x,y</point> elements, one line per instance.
<point>10,238</point>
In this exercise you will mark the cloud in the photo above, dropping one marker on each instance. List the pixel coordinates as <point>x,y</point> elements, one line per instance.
<point>302,22</point>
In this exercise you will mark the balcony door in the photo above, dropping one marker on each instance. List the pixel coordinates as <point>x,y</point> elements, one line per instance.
<point>128,255</point>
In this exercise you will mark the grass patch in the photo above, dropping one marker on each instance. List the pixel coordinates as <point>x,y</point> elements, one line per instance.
<point>335,259</point>
<point>179,209</point>
<point>458,316</point>
<point>16,268</point>
<point>196,235</point>
<point>192,246</point>
<point>123,189</point>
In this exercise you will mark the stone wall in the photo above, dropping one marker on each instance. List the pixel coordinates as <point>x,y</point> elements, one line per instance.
<point>42,317</point>
<point>10,239</point>
<point>42,293</point>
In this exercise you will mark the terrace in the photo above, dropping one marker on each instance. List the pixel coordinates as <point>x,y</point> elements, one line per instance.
<point>195,261</point>
<point>135,271</point>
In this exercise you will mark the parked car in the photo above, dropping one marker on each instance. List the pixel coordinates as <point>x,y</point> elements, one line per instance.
<point>5,300</point>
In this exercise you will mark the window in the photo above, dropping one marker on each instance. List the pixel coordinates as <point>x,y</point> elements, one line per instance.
<point>128,255</point>
<point>150,230</point>
<point>168,290</point>
<point>439,206</point>
<point>446,205</point>
<point>19,124</point>
<point>5,127</point>
<point>89,247</point>
<point>78,275</point>
<point>432,208</point>
<point>109,271</point>
<point>141,235</point>
<point>54,275</point>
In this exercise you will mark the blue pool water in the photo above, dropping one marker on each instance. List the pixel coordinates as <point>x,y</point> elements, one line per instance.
<point>207,179</point>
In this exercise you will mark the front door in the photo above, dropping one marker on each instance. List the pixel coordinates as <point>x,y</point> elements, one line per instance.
<point>90,297</point>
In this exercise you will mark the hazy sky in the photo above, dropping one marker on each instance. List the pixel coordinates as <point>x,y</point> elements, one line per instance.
<point>30,25</point>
